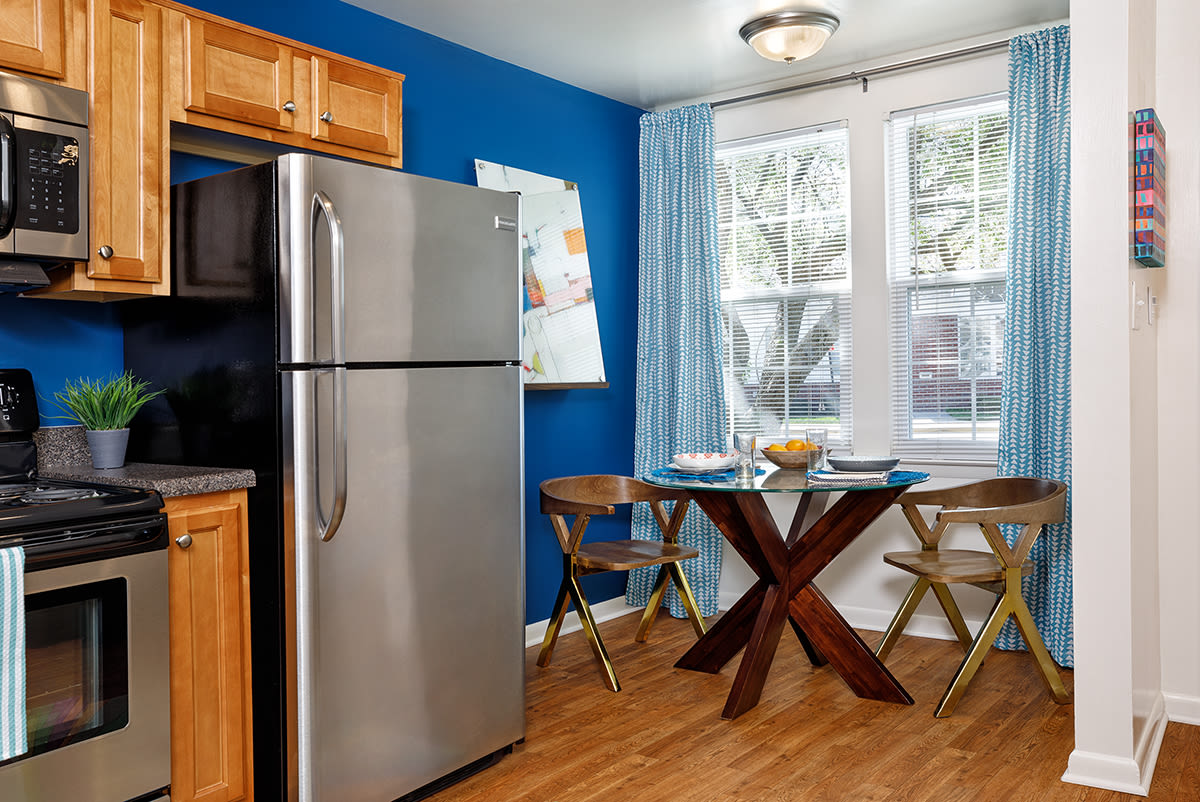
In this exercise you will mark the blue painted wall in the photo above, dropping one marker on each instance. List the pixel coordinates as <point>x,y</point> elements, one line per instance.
<point>458,106</point>
<point>56,341</point>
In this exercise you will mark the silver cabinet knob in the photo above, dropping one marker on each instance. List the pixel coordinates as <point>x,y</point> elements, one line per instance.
<point>183,541</point>
<point>289,106</point>
<point>105,251</point>
<point>326,117</point>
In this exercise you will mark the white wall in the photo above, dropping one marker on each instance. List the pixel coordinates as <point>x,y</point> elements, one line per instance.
<point>1179,381</point>
<point>865,590</point>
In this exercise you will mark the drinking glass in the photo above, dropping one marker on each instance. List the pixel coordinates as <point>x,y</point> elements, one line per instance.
<point>743,444</point>
<point>816,457</point>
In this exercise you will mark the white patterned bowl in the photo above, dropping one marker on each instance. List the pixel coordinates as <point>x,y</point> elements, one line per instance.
<point>708,461</point>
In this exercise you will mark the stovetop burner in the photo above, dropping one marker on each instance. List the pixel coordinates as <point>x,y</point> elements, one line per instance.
<point>50,495</point>
<point>9,492</point>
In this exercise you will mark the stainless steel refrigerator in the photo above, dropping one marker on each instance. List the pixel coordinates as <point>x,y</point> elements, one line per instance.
<point>352,334</point>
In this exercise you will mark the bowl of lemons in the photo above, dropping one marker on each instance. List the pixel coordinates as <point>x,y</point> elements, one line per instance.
<point>792,455</point>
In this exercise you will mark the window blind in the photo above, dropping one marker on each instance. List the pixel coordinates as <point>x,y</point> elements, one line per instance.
<point>947,254</point>
<point>784,224</point>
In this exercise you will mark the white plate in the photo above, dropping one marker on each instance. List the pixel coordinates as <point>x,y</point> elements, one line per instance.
<point>862,463</point>
<point>703,462</point>
<point>682,469</point>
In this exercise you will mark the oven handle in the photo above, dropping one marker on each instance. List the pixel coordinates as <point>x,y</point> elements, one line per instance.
<point>8,176</point>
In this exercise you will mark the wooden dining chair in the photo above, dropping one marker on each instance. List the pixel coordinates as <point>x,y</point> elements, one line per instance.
<point>1028,502</point>
<point>584,496</point>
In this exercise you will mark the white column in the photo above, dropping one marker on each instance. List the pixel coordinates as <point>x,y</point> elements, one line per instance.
<point>1119,715</point>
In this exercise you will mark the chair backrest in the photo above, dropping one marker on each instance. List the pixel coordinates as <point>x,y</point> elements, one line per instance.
<point>596,494</point>
<point>1004,500</point>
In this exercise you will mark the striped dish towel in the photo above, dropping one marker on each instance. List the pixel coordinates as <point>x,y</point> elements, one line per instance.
<point>12,653</point>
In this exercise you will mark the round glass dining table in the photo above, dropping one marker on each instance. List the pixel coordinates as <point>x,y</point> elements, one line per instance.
<point>785,567</point>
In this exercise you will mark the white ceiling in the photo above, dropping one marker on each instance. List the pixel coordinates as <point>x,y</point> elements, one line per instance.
<point>658,53</point>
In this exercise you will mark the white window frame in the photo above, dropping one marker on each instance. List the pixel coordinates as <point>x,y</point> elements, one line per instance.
<point>829,293</point>
<point>962,292</point>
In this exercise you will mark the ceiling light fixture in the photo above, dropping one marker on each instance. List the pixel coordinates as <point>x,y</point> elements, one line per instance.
<point>789,35</point>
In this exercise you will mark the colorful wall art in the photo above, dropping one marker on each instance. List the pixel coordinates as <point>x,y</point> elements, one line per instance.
<point>562,339</point>
<point>1147,188</point>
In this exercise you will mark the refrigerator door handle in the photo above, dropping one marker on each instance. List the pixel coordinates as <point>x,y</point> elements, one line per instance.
<point>322,206</point>
<point>329,526</point>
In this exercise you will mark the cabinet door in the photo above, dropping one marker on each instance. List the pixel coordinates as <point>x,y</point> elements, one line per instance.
<point>32,35</point>
<point>129,146</point>
<point>355,107</point>
<point>210,648</point>
<point>236,75</point>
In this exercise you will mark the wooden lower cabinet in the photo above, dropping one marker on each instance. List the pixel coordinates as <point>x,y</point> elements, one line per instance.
<point>211,756</point>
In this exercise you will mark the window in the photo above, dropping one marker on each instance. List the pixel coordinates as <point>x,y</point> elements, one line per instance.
<point>948,247</point>
<point>784,203</point>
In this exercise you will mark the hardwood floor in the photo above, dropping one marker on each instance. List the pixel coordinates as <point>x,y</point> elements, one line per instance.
<point>661,738</point>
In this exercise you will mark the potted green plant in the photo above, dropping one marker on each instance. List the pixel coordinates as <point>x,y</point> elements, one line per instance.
<point>105,407</point>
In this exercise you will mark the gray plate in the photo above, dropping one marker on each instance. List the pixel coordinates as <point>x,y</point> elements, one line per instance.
<point>862,463</point>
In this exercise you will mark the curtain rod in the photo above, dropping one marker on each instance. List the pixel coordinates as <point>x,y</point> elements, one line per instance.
<point>863,75</point>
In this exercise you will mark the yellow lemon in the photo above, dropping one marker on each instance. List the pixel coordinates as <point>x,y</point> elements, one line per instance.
<point>799,445</point>
<point>776,447</point>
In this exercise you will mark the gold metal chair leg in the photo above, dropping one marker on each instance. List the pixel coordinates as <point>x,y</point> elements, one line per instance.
<point>653,605</point>
<point>1037,650</point>
<point>970,664</point>
<point>950,608</point>
<point>556,620</point>
<point>688,598</point>
<point>900,619</point>
<point>593,634</point>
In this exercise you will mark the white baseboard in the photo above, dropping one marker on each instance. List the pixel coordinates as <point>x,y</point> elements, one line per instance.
<point>604,611</point>
<point>1131,775</point>
<point>924,626</point>
<point>1184,709</point>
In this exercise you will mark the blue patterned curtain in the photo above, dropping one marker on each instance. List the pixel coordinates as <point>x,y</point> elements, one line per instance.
<point>1035,405</point>
<point>680,403</point>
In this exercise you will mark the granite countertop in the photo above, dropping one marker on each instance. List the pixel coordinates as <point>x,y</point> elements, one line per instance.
<point>63,454</point>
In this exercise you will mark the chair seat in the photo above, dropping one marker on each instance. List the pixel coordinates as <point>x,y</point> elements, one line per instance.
<point>622,555</point>
<point>949,566</point>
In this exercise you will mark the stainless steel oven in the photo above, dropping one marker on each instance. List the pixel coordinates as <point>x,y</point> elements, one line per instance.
<point>43,179</point>
<point>97,705</point>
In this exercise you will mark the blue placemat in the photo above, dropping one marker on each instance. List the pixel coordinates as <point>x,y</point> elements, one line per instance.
<point>720,476</point>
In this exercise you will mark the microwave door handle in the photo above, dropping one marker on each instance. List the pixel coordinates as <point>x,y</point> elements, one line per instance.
<point>322,207</point>
<point>8,176</point>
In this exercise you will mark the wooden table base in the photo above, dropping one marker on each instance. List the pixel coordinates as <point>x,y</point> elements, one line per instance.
<point>785,593</point>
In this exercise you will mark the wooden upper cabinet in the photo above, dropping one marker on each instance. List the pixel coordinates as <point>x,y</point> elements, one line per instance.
<point>129,146</point>
<point>32,35</point>
<point>355,107</point>
<point>129,159</point>
<point>236,75</point>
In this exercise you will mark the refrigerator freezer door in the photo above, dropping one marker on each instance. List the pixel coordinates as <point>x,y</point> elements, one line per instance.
<point>410,644</point>
<point>430,270</point>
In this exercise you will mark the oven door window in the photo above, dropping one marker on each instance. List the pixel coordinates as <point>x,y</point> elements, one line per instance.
<point>77,666</point>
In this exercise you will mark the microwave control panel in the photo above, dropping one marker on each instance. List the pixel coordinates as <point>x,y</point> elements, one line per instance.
<point>47,182</point>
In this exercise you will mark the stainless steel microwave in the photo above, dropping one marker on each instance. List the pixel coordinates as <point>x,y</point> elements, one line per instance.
<point>43,179</point>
